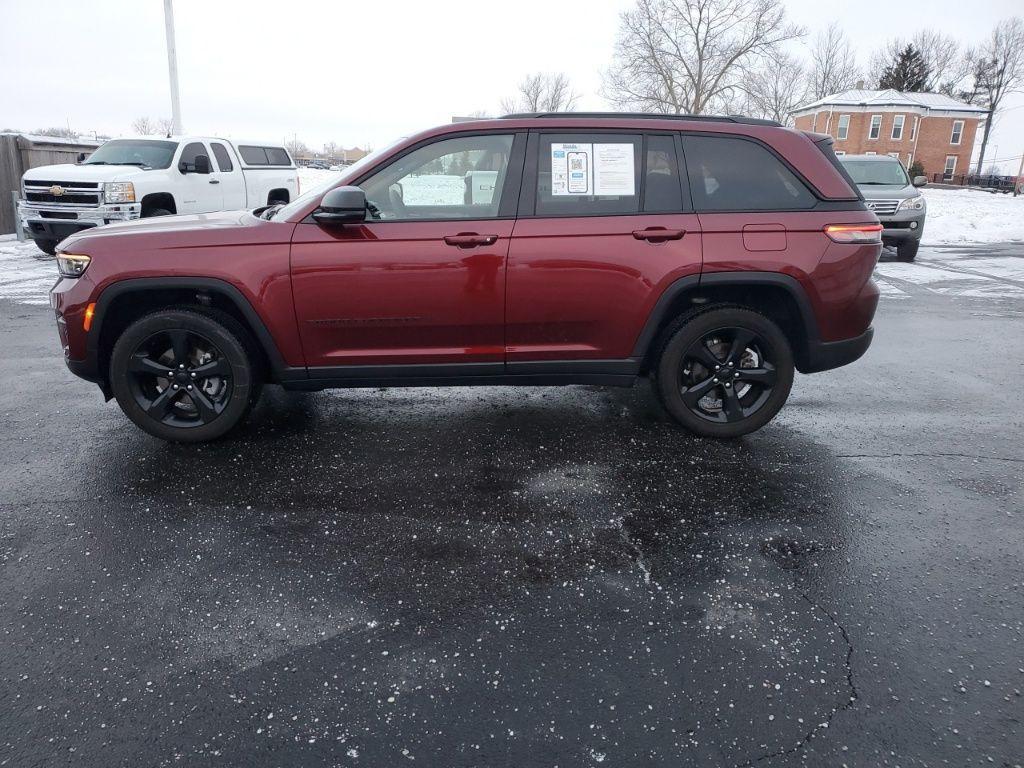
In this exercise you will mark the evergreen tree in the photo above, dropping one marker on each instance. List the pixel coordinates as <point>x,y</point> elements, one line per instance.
<point>909,72</point>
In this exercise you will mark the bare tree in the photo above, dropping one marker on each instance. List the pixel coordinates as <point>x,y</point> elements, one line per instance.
<point>296,147</point>
<point>542,92</point>
<point>998,71</point>
<point>146,126</point>
<point>833,64</point>
<point>686,56</point>
<point>63,133</point>
<point>776,89</point>
<point>143,126</point>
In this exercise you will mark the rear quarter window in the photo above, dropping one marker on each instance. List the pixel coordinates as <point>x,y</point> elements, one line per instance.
<point>731,174</point>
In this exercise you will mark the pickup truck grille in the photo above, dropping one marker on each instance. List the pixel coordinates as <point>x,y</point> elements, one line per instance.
<point>77,193</point>
<point>882,207</point>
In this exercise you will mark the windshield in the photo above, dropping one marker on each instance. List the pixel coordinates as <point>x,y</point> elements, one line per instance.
<point>318,189</point>
<point>874,172</point>
<point>143,153</point>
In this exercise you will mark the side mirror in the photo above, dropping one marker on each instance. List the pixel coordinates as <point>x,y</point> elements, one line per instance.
<point>342,205</point>
<point>202,164</point>
<point>81,157</point>
<point>920,181</point>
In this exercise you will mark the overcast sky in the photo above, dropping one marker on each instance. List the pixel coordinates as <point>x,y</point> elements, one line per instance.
<point>360,73</point>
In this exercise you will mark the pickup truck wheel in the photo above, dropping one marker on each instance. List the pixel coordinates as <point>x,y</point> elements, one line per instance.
<point>724,372</point>
<point>183,375</point>
<point>156,212</point>
<point>47,246</point>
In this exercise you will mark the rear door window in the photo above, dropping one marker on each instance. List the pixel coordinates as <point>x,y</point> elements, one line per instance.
<point>223,158</point>
<point>662,191</point>
<point>588,174</point>
<point>731,174</point>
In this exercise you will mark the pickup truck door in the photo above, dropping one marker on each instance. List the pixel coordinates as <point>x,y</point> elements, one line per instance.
<point>419,287</point>
<point>196,192</point>
<point>228,176</point>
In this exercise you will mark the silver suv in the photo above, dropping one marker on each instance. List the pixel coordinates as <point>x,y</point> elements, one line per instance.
<point>890,193</point>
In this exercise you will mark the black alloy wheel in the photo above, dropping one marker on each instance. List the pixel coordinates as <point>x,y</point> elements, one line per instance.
<point>184,374</point>
<point>725,372</point>
<point>180,378</point>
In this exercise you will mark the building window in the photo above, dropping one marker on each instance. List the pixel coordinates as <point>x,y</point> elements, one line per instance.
<point>870,153</point>
<point>894,154</point>
<point>844,127</point>
<point>897,127</point>
<point>876,126</point>
<point>950,168</point>
<point>958,132</point>
<point>913,129</point>
<point>840,152</point>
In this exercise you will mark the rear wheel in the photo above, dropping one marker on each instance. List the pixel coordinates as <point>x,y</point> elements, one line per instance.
<point>183,375</point>
<point>724,372</point>
<point>907,250</point>
<point>151,212</point>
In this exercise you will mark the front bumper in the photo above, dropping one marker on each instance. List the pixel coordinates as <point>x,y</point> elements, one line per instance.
<point>905,225</point>
<point>55,222</point>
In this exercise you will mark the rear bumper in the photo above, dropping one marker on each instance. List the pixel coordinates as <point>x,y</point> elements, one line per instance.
<point>826,355</point>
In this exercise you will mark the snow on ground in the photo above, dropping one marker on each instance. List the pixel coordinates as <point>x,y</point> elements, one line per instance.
<point>968,216</point>
<point>26,273</point>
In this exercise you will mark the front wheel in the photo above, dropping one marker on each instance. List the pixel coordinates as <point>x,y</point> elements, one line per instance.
<point>183,375</point>
<point>907,250</point>
<point>47,246</point>
<point>724,372</point>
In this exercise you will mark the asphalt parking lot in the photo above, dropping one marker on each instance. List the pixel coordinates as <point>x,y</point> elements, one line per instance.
<point>531,577</point>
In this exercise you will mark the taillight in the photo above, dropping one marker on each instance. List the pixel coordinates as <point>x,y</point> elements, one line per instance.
<point>855,233</point>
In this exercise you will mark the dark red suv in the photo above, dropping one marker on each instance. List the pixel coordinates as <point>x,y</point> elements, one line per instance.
<point>715,255</point>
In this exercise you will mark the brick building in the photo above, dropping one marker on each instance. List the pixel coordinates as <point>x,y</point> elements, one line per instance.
<point>933,129</point>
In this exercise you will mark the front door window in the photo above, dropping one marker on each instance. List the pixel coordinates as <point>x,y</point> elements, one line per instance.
<point>459,178</point>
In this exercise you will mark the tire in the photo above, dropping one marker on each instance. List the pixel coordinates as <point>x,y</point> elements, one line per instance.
<point>156,212</point>
<point>174,404</point>
<point>47,246</point>
<point>907,250</point>
<point>743,343</point>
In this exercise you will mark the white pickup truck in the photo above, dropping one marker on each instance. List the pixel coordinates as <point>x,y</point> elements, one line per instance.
<point>140,177</point>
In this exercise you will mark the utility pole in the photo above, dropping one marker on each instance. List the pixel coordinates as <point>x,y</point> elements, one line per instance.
<point>172,66</point>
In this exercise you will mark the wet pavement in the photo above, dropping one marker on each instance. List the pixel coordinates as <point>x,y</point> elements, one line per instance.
<point>525,577</point>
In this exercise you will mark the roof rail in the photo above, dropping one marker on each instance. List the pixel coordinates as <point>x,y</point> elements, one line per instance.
<point>646,116</point>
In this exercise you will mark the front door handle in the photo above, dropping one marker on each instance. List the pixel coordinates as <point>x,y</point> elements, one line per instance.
<point>658,234</point>
<point>470,240</point>
<point>214,181</point>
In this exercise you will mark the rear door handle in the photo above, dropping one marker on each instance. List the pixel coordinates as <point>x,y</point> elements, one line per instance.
<point>214,181</point>
<point>470,240</point>
<point>658,234</point>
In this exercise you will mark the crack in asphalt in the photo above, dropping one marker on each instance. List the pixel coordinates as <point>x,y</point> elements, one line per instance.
<point>637,552</point>
<point>926,456</point>
<point>854,695</point>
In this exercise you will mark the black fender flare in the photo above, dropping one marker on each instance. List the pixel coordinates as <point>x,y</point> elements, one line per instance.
<point>714,279</point>
<point>197,284</point>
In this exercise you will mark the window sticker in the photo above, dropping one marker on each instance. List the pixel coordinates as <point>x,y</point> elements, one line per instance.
<point>571,169</point>
<point>613,170</point>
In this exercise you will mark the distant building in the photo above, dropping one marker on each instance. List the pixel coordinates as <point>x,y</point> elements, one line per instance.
<point>935,130</point>
<point>338,157</point>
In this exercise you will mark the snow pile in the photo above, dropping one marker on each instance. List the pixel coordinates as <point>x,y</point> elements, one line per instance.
<point>971,216</point>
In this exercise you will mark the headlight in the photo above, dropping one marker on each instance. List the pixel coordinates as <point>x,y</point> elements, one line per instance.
<point>72,264</point>
<point>912,204</point>
<point>119,192</point>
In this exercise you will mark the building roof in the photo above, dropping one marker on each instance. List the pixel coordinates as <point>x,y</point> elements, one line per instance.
<point>928,102</point>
